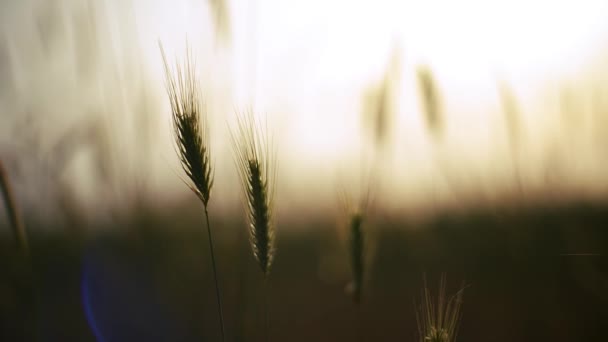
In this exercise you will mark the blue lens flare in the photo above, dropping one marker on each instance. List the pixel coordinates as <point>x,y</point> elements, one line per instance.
<point>121,301</point>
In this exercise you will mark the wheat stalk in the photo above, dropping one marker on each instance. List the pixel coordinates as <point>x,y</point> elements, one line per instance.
<point>13,211</point>
<point>256,164</point>
<point>511,112</point>
<point>433,114</point>
<point>255,161</point>
<point>357,248</point>
<point>438,318</point>
<point>190,130</point>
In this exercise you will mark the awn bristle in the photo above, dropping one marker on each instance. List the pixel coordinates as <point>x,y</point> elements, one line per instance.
<point>438,318</point>
<point>190,126</point>
<point>256,166</point>
<point>431,101</point>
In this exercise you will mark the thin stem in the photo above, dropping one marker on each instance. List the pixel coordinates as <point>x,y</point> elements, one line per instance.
<point>217,286</point>
<point>358,323</point>
<point>13,211</point>
<point>266,321</point>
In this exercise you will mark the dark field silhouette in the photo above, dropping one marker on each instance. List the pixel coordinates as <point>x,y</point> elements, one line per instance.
<point>531,274</point>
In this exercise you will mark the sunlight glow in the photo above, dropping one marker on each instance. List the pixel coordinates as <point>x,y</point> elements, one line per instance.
<point>307,65</point>
<point>316,69</point>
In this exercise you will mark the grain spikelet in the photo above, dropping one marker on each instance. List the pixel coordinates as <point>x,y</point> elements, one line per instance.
<point>438,318</point>
<point>190,126</point>
<point>431,101</point>
<point>256,165</point>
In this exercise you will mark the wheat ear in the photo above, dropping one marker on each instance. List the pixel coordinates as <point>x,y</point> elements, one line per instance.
<point>357,214</point>
<point>431,102</point>
<point>438,318</point>
<point>255,161</point>
<point>190,130</point>
<point>256,165</point>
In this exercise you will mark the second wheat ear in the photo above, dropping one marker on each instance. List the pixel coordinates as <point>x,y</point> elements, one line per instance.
<point>256,166</point>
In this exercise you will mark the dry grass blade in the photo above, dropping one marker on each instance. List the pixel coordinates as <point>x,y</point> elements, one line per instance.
<point>256,164</point>
<point>13,211</point>
<point>438,318</point>
<point>431,101</point>
<point>190,126</point>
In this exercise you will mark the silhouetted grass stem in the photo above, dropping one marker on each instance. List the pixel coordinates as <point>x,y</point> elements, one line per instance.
<point>13,211</point>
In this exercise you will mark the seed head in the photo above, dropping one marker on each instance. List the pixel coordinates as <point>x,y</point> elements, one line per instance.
<point>438,318</point>
<point>431,102</point>
<point>256,166</point>
<point>190,130</point>
<point>357,247</point>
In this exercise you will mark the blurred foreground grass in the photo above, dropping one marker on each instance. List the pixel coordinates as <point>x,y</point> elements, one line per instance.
<point>153,282</point>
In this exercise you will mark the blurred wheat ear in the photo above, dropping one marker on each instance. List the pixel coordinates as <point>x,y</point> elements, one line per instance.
<point>256,164</point>
<point>431,102</point>
<point>13,211</point>
<point>511,112</point>
<point>512,117</point>
<point>356,242</point>
<point>379,103</point>
<point>378,112</point>
<point>192,142</point>
<point>438,318</point>
<point>221,18</point>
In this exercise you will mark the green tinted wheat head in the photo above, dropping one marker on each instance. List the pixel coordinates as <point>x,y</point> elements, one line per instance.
<point>438,318</point>
<point>256,165</point>
<point>192,143</point>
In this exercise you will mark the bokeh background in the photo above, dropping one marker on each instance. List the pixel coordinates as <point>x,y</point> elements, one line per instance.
<point>503,187</point>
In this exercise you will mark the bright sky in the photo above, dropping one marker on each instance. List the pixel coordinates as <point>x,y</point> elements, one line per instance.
<point>307,65</point>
